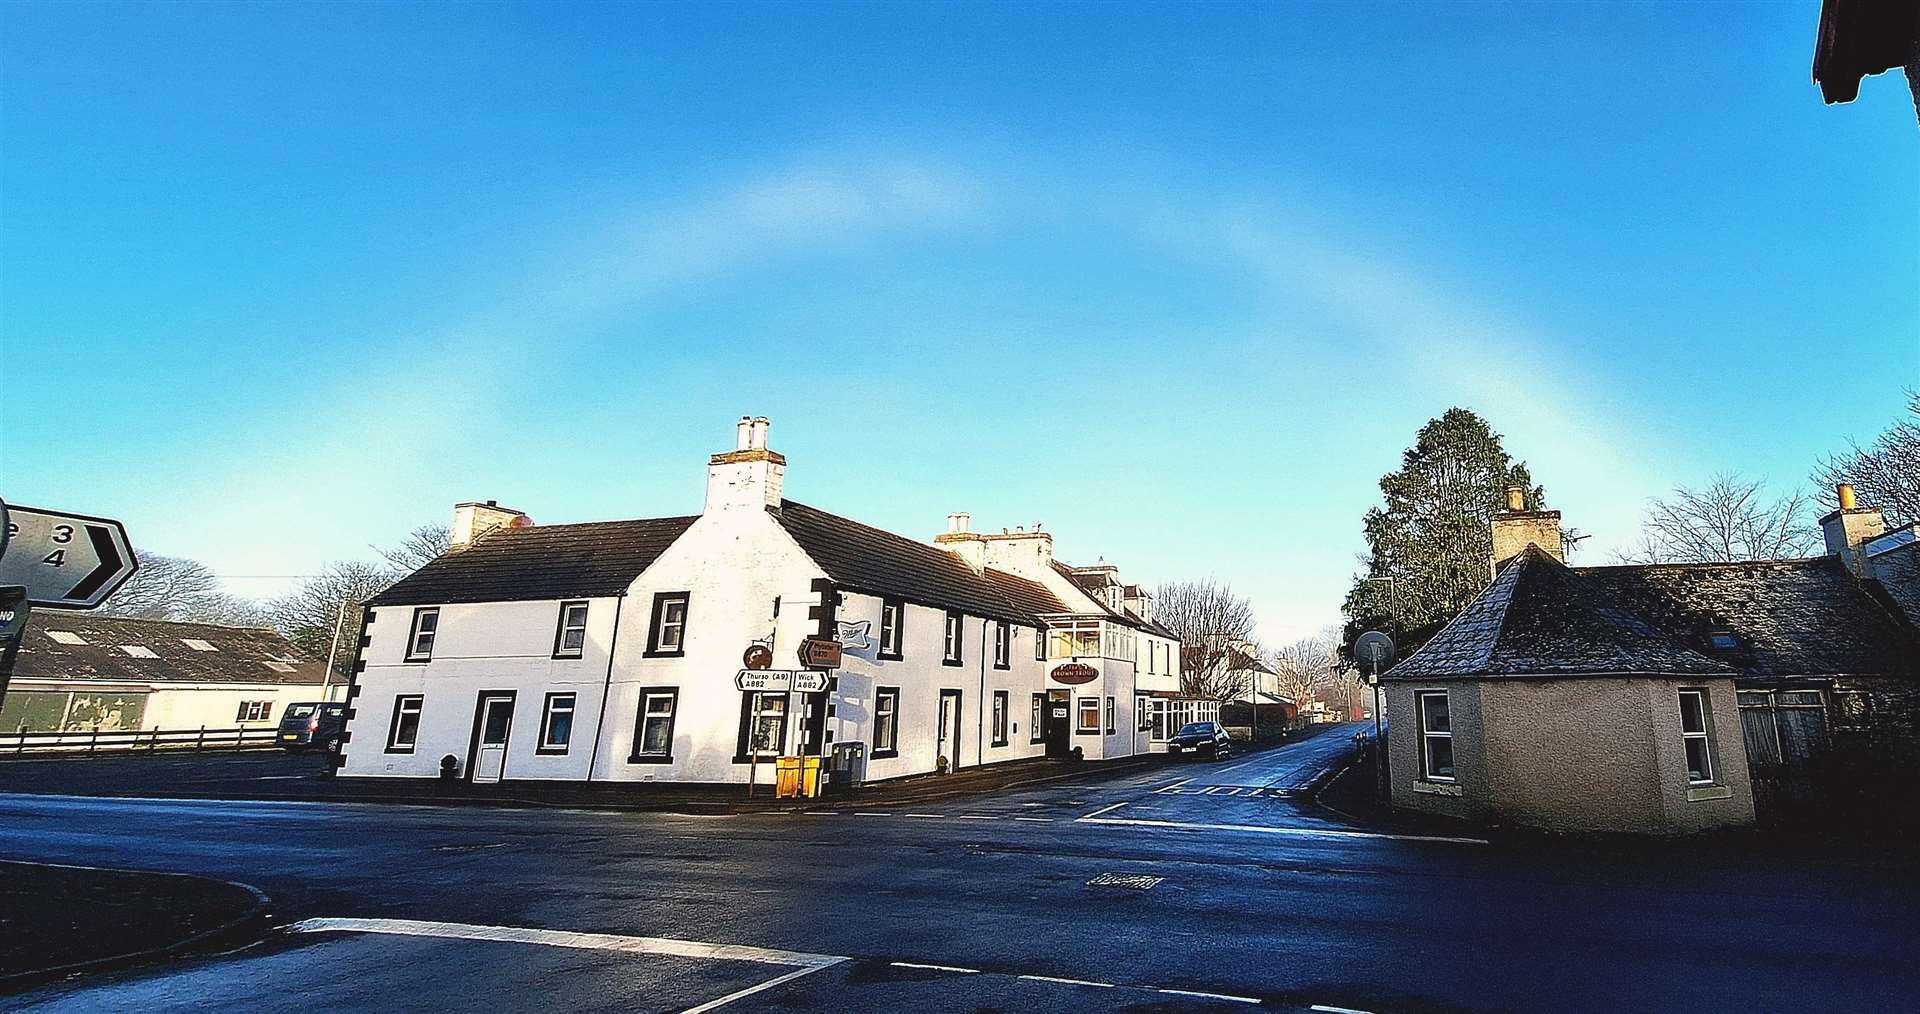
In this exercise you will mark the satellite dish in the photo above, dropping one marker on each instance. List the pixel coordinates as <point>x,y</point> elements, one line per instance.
<point>1374,648</point>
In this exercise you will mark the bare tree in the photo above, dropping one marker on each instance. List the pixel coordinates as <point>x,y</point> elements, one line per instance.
<point>1728,519</point>
<point>1885,474</point>
<point>176,588</point>
<point>306,615</point>
<point>421,546</point>
<point>1307,665</point>
<point>1213,624</point>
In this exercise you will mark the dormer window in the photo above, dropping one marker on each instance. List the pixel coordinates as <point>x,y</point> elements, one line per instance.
<point>1723,640</point>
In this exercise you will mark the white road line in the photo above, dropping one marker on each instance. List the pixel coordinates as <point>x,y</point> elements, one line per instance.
<point>1068,982</point>
<point>1104,809</point>
<point>872,814</point>
<point>977,816</point>
<point>1297,832</point>
<point>821,813</point>
<point>1210,996</point>
<point>750,990</point>
<point>1036,820</point>
<point>936,968</point>
<point>567,938</point>
<point>933,815</point>
<point>1337,1010</point>
<point>1173,785</point>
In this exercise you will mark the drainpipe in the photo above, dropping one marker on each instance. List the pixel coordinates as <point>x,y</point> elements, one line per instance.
<point>980,752</point>
<point>606,689</point>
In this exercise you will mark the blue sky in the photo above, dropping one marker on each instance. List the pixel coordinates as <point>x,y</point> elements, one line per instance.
<point>278,282</point>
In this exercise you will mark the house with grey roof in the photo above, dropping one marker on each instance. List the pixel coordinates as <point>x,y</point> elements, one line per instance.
<point>703,648</point>
<point>79,671</point>
<point>1659,698</point>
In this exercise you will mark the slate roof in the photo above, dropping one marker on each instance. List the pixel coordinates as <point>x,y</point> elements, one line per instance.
<point>1806,617</point>
<point>592,560</point>
<point>1540,618</point>
<point>239,655</point>
<point>1094,586</point>
<point>1030,596</point>
<point>1238,660</point>
<point>866,559</point>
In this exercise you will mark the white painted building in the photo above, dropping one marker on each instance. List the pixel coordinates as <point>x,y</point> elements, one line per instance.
<point>612,651</point>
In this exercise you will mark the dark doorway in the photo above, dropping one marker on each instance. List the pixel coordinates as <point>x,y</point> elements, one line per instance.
<point>1059,719</point>
<point>948,742</point>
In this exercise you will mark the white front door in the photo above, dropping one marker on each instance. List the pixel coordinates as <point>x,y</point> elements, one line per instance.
<point>950,728</point>
<point>490,752</point>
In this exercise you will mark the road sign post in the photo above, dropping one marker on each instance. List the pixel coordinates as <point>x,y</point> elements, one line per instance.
<point>14,609</point>
<point>1376,649</point>
<point>64,560</point>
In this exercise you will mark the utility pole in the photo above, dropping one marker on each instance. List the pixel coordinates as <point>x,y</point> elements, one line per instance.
<point>333,652</point>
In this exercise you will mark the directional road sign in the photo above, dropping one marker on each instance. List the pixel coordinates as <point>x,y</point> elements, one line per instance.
<point>805,681</point>
<point>67,560</point>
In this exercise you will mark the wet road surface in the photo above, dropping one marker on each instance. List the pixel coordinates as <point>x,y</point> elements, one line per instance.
<point>1162,890</point>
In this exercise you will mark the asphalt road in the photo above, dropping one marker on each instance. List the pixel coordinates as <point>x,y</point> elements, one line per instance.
<point>1199,886</point>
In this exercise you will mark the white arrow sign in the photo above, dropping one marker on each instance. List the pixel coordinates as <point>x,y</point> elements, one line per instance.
<point>805,681</point>
<point>72,561</point>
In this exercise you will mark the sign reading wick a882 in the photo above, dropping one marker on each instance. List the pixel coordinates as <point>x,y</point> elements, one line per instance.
<point>73,561</point>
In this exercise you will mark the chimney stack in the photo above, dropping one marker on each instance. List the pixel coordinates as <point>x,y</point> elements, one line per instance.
<point>750,476</point>
<point>1515,528</point>
<point>1850,528</point>
<point>959,522</point>
<point>474,520</point>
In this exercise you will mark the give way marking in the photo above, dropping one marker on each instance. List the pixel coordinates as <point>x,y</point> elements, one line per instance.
<point>802,963</point>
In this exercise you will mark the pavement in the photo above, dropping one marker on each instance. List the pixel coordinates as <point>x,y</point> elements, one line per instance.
<point>1203,886</point>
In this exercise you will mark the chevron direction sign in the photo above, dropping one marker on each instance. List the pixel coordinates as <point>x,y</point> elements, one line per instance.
<point>65,560</point>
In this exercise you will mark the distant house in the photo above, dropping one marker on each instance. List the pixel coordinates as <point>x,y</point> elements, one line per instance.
<point>1662,698</point>
<point>78,671</point>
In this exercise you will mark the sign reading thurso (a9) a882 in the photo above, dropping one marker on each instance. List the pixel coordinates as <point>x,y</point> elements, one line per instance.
<point>73,561</point>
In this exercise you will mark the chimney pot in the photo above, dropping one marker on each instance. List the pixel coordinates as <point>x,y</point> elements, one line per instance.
<point>1845,492</point>
<point>759,441</point>
<point>1516,498</point>
<point>742,433</point>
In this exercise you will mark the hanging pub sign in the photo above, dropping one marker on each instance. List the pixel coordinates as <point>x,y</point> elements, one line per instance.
<point>757,656</point>
<point>1075,673</point>
<point>819,653</point>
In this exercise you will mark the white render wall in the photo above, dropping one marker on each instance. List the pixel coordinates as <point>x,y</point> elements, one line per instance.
<point>483,646</point>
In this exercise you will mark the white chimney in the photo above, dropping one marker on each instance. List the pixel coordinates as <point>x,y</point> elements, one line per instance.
<point>750,476</point>
<point>959,523</point>
<point>474,520</point>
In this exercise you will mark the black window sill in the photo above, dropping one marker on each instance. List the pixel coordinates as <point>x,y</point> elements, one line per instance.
<point>417,661</point>
<point>656,653</point>
<point>577,654</point>
<point>550,751</point>
<point>1000,742</point>
<point>890,656</point>
<point>1086,732</point>
<point>953,662</point>
<point>1003,666</point>
<point>651,758</point>
<point>399,749</point>
<point>883,755</point>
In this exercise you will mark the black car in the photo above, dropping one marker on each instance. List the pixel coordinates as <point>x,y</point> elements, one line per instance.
<point>1207,739</point>
<point>311,726</point>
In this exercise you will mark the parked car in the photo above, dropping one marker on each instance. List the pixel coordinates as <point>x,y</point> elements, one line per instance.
<point>1208,739</point>
<point>311,726</point>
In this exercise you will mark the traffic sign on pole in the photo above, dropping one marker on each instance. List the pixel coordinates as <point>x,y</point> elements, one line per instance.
<point>66,560</point>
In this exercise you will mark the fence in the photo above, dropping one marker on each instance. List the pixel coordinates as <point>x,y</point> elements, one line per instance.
<point>94,740</point>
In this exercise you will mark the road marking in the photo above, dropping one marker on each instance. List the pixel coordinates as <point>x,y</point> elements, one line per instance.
<point>872,814</point>
<point>1337,1010</point>
<point>1173,785</point>
<point>933,815</point>
<point>936,968</point>
<point>1036,820</point>
<point>977,816</point>
<point>567,938</point>
<point>821,813</point>
<point>1104,809</point>
<point>1068,982</point>
<point>1298,832</point>
<point>750,990</point>
<point>807,964</point>
<point>1211,996</point>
